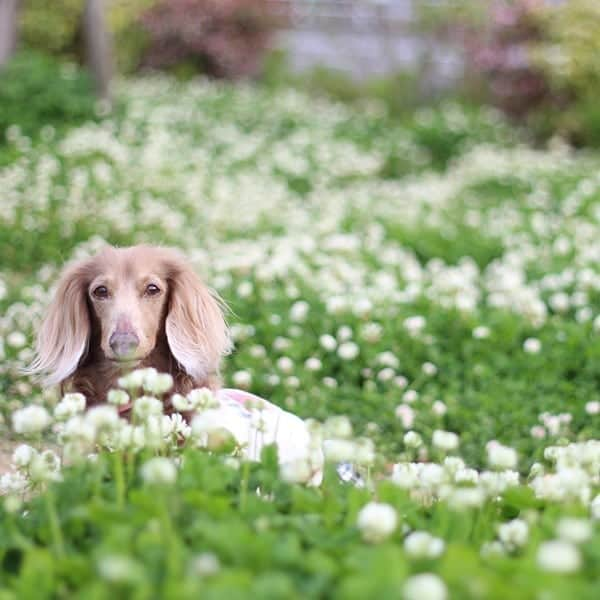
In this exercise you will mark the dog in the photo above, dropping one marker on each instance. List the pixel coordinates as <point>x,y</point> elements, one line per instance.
<point>126,308</point>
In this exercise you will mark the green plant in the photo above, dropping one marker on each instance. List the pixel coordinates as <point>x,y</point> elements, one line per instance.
<point>36,91</point>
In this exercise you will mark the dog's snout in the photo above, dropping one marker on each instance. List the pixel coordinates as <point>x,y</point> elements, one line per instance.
<point>123,343</point>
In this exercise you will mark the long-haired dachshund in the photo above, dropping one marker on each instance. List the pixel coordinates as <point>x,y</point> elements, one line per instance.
<point>125,308</point>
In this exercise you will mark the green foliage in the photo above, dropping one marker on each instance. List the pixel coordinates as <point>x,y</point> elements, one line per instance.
<point>37,91</point>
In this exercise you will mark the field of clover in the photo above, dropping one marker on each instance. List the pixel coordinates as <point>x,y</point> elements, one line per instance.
<point>426,292</point>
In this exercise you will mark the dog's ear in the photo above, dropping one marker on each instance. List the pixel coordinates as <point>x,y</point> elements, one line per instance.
<point>195,327</point>
<point>64,334</point>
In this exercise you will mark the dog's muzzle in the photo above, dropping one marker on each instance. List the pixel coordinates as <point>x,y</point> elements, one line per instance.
<point>124,344</point>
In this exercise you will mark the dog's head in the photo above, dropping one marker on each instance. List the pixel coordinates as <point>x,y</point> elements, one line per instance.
<point>125,300</point>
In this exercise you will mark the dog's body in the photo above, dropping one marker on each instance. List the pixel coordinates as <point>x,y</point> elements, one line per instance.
<point>126,308</point>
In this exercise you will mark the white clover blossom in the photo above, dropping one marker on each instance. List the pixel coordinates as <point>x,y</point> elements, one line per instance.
<point>348,350</point>
<point>532,345</point>
<point>69,406</point>
<point>421,544</point>
<point>412,439</point>
<point>205,564</point>
<point>558,556</point>
<point>159,471</point>
<point>425,586</point>
<point>242,379</point>
<point>118,397</point>
<point>501,457</point>
<point>337,427</point>
<point>144,406</point>
<point>31,419</point>
<point>377,521</point>
<point>513,534</point>
<point>574,530</point>
<point>445,440</point>
<point>23,455</point>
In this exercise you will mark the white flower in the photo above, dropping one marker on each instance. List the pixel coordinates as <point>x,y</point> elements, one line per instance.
<point>313,364</point>
<point>242,379</point>
<point>158,383</point>
<point>592,408</point>
<point>421,544</point>
<point>348,350</point>
<point>299,311</point>
<point>202,398</point>
<point>338,427</point>
<point>23,455</point>
<point>69,406</point>
<point>117,397</point>
<point>45,467</point>
<point>388,359</point>
<point>296,471</point>
<point>406,414</point>
<point>16,339</point>
<point>429,369</point>
<point>558,557</point>
<point>118,568</point>
<point>144,406</point>
<point>412,439</point>
<point>481,332</point>
<point>365,452</point>
<point>134,380</point>
<point>181,403</point>
<point>462,498</point>
<point>205,564</point>
<point>445,440</point>
<point>31,419</point>
<point>415,324</point>
<point>501,457</point>
<point>532,345</point>
<point>285,364</point>
<point>439,408</point>
<point>513,534</point>
<point>410,396</point>
<point>377,521</point>
<point>103,417</point>
<point>425,586</point>
<point>159,471</point>
<point>338,451</point>
<point>595,508</point>
<point>328,342</point>
<point>574,530</point>
<point>371,332</point>
<point>344,333</point>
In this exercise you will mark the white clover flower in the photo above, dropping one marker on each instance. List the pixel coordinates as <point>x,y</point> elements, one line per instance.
<point>386,374</point>
<point>118,397</point>
<point>159,471</point>
<point>103,417</point>
<point>348,350</point>
<point>13,483</point>
<point>44,467</point>
<point>501,457</point>
<point>299,311</point>
<point>181,403</point>
<point>595,508</point>
<point>338,451</point>
<point>285,364</point>
<point>144,406</point>
<point>69,406</point>
<point>377,521</point>
<point>280,344</point>
<point>16,339</point>
<point>592,408</point>
<point>205,564</point>
<point>439,408</point>
<point>388,359</point>
<point>421,544</point>
<point>371,332</point>
<point>412,439</point>
<point>158,383</point>
<point>574,530</point>
<point>362,307</point>
<point>242,379</point>
<point>344,333</point>
<point>133,380</point>
<point>258,351</point>
<point>414,325</point>
<point>365,452</point>
<point>31,419</point>
<point>463,498</point>
<point>558,556</point>
<point>410,396</point>
<point>338,427</point>
<point>513,534</point>
<point>481,332</point>
<point>296,471</point>
<point>429,369</point>
<point>406,414</point>
<point>532,345</point>
<point>118,568</point>
<point>445,440</point>
<point>313,364</point>
<point>23,455</point>
<point>202,398</point>
<point>330,382</point>
<point>425,586</point>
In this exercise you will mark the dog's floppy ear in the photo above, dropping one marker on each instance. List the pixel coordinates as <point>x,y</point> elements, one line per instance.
<point>64,334</point>
<point>196,330</point>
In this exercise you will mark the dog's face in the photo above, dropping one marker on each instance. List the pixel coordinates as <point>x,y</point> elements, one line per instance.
<point>129,301</point>
<point>119,303</point>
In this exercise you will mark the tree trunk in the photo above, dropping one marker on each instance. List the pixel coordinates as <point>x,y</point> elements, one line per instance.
<point>8,29</point>
<point>98,46</point>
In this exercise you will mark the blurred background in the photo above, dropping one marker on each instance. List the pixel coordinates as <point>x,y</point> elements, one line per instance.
<point>536,60</point>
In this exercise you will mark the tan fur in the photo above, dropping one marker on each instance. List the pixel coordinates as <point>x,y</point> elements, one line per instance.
<point>181,329</point>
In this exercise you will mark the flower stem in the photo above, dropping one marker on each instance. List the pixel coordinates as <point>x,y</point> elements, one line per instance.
<point>55,530</point>
<point>119,478</point>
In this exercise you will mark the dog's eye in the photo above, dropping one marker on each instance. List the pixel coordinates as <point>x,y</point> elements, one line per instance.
<point>152,290</point>
<point>101,291</point>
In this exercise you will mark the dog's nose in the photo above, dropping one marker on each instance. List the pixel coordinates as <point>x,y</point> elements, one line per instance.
<point>123,343</point>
